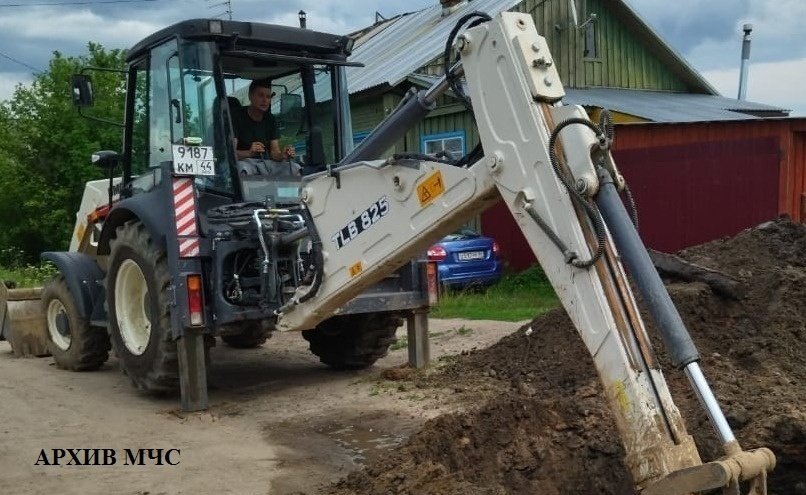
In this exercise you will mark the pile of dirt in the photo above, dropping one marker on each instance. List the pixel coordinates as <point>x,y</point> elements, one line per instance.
<point>548,429</point>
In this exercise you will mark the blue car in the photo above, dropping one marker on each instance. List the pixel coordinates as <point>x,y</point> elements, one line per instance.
<point>466,258</point>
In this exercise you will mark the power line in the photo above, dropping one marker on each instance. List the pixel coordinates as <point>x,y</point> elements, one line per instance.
<point>85,2</point>
<point>227,4</point>
<point>36,71</point>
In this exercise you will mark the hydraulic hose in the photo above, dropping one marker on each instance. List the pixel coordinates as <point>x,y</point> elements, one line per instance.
<point>318,263</point>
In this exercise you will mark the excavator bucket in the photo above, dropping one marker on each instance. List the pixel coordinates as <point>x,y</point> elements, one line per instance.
<point>22,321</point>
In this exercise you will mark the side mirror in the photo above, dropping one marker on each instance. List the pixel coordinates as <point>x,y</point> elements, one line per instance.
<point>106,160</point>
<point>82,90</point>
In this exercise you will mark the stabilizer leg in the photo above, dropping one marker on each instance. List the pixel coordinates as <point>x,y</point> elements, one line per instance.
<point>192,371</point>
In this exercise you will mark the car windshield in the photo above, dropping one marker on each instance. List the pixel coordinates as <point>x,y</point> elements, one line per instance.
<point>461,235</point>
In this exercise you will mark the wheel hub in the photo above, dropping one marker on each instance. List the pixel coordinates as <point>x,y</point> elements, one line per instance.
<point>132,307</point>
<point>59,324</point>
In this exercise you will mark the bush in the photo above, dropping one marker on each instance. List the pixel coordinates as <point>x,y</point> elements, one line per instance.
<point>29,275</point>
<point>12,257</point>
<point>528,279</point>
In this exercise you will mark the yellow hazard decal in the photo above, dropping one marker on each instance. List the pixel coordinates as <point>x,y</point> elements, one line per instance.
<point>430,189</point>
<point>356,268</point>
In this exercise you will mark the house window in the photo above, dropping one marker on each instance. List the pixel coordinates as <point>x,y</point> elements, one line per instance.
<point>300,150</point>
<point>590,40</point>
<point>452,143</point>
<point>588,23</point>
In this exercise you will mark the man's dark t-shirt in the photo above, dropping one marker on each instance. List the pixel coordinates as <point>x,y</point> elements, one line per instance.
<point>247,131</point>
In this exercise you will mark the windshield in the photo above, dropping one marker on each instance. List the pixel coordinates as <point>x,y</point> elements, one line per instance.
<point>202,115</point>
<point>461,235</point>
<point>184,99</point>
<point>300,101</point>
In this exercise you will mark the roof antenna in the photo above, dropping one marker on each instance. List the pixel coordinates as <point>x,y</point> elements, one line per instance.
<point>303,19</point>
<point>748,28</point>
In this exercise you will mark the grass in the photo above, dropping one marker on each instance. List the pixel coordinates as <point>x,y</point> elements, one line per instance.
<point>28,275</point>
<point>515,297</point>
<point>403,342</point>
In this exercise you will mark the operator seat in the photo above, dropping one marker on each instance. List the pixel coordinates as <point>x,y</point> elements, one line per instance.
<point>234,105</point>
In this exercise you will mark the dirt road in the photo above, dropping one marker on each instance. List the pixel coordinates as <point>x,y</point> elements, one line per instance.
<point>280,422</point>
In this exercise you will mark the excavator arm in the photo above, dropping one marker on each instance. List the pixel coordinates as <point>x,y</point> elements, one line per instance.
<point>552,167</point>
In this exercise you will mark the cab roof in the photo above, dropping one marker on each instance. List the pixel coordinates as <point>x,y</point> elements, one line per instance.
<point>284,39</point>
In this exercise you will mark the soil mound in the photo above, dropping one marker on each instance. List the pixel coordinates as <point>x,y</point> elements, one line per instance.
<point>548,429</point>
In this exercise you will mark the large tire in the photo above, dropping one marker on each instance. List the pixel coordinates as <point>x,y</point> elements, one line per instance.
<point>73,343</point>
<point>252,334</point>
<point>353,341</point>
<point>138,305</point>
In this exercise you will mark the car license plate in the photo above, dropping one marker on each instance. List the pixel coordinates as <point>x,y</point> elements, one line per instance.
<point>471,255</point>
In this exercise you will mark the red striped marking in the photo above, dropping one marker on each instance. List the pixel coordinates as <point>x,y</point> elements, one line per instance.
<point>185,217</point>
<point>188,247</point>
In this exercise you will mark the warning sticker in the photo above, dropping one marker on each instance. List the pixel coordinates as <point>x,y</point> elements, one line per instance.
<point>356,268</point>
<point>431,188</point>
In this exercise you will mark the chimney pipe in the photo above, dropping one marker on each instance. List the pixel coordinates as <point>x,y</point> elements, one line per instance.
<point>303,19</point>
<point>748,28</point>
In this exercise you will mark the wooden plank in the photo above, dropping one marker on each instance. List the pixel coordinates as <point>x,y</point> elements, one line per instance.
<point>786,173</point>
<point>607,46</point>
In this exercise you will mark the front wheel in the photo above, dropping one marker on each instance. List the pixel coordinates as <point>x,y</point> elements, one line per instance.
<point>73,343</point>
<point>138,305</point>
<point>353,341</point>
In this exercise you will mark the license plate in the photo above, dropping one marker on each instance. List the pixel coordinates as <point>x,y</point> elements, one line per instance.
<point>193,160</point>
<point>471,255</point>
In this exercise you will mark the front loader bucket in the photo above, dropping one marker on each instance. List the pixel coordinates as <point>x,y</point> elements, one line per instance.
<point>22,321</point>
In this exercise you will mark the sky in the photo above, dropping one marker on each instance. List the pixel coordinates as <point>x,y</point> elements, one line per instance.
<point>707,33</point>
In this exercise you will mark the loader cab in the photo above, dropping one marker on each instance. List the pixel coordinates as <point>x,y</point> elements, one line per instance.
<point>187,82</point>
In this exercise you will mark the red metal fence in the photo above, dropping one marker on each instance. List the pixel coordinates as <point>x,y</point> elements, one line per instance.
<point>695,182</point>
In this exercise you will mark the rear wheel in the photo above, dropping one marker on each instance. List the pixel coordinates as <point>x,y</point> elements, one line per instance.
<point>74,344</point>
<point>353,341</point>
<point>138,305</point>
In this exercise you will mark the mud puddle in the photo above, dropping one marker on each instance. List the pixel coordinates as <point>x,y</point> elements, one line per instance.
<point>362,443</point>
<point>338,443</point>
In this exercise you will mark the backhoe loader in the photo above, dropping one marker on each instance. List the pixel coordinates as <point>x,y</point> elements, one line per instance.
<point>187,246</point>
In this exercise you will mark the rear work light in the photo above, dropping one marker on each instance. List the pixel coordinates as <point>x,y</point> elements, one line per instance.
<point>432,277</point>
<point>437,253</point>
<point>195,300</point>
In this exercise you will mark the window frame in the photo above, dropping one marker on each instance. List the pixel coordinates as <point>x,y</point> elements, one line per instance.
<point>590,34</point>
<point>442,136</point>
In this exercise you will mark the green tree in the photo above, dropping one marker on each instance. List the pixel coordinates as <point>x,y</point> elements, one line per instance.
<point>45,148</point>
